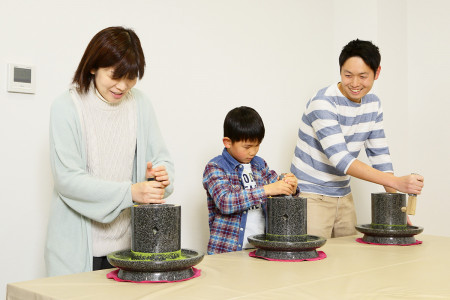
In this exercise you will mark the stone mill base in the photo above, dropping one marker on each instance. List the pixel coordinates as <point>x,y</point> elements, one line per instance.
<point>155,276</point>
<point>389,236</point>
<point>287,255</point>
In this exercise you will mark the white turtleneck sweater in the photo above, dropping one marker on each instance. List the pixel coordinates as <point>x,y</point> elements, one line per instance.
<point>109,132</point>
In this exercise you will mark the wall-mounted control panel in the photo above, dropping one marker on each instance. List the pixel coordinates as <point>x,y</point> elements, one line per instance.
<point>21,79</point>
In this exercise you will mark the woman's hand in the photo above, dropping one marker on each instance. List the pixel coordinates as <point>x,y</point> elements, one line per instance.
<point>148,192</point>
<point>151,191</point>
<point>159,173</point>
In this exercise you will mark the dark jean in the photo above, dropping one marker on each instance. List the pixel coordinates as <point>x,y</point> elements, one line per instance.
<point>101,263</point>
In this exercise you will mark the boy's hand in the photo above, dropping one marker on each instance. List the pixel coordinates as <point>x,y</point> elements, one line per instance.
<point>159,173</point>
<point>278,188</point>
<point>292,180</point>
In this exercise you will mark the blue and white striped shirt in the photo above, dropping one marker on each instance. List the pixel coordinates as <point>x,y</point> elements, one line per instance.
<point>331,135</point>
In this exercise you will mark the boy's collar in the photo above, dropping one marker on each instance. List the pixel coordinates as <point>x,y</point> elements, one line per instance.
<point>234,163</point>
<point>230,159</point>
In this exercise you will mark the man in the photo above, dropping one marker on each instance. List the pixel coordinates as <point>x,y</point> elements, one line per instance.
<point>338,121</point>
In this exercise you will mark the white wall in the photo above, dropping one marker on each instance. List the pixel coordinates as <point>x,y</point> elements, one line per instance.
<point>205,58</point>
<point>428,44</point>
<point>389,28</point>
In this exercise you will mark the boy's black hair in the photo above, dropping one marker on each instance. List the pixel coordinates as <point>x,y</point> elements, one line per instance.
<point>243,124</point>
<point>364,49</point>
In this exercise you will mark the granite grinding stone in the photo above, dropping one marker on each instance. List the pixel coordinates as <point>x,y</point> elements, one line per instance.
<point>156,228</point>
<point>155,276</point>
<point>387,209</point>
<point>399,236</point>
<point>286,219</point>
<point>287,250</point>
<point>125,260</point>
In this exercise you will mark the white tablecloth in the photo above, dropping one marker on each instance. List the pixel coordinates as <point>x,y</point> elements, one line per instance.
<point>351,271</point>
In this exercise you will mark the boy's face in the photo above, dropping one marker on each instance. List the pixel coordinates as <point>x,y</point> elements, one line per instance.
<point>357,78</point>
<point>242,151</point>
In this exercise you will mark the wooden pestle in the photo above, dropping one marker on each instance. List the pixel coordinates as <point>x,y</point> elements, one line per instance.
<point>412,201</point>
<point>411,207</point>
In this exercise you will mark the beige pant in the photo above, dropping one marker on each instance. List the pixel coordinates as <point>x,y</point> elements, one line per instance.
<point>330,216</point>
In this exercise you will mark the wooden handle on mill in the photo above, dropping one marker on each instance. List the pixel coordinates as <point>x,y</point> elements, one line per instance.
<point>411,207</point>
<point>412,199</point>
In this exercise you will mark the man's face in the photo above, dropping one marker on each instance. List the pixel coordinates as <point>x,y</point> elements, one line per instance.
<point>357,78</point>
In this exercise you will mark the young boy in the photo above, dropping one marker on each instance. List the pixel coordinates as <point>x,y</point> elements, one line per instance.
<point>238,182</point>
<point>339,120</point>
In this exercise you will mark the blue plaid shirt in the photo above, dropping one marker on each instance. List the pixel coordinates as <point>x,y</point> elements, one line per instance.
<point>229,201</point>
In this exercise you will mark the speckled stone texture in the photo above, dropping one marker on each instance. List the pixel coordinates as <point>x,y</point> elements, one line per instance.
<point>286,219</point>
<point>387,210</point>
<point>150,270</point>
<point>155,276</point>
<point>286,232</point>
<point>389,222</point>
<point>156,228</point>
<point>398,236</point>
<point>286,250</point>
<point>156,253</point>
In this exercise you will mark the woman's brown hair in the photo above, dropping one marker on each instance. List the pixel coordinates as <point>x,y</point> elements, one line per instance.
<point>115,47</point>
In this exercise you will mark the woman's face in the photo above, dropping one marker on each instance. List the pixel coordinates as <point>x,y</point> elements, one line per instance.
<point>113,90</point>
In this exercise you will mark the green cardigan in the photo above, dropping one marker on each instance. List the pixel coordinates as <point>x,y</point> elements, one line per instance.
<point>79,197</point>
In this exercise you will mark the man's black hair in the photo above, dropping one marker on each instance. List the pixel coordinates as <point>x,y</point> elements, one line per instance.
<point>243,124</point>
<point>369,53</point>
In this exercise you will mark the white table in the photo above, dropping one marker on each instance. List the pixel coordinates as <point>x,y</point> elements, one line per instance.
<point>351,271</point>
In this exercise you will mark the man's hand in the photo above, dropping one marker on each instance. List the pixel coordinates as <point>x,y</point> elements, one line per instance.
<point>410,184</point>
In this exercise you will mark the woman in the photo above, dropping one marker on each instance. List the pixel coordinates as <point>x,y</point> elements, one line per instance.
<point>104,144</point>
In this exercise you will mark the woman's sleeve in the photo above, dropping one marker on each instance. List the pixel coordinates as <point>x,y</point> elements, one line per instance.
<point>94,198</point>
<point>156,150</point>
